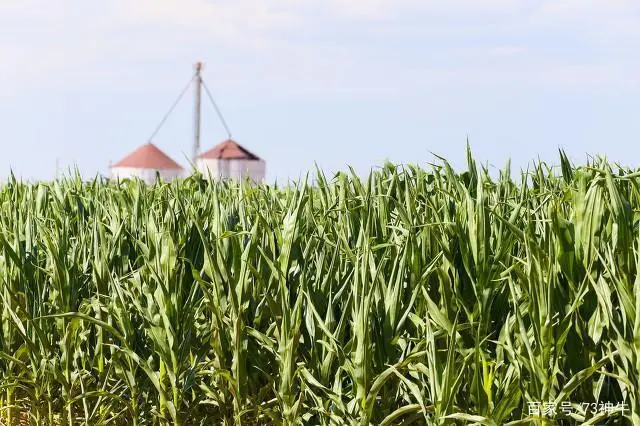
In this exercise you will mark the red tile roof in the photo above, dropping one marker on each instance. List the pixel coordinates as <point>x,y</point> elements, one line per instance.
<point>229,150</point>
<point>148,156</point>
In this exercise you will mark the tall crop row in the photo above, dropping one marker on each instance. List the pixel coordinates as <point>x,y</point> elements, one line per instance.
<point>415,295</point>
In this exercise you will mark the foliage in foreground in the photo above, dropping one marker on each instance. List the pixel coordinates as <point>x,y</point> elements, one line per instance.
<point>414,296</point>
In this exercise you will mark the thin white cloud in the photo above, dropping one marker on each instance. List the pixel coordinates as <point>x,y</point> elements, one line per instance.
<point>311,49</point>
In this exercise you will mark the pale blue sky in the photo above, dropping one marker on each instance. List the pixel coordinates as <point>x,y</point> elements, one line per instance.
<point>335,82</point>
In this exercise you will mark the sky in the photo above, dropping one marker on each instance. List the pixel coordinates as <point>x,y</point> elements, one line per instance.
<point>335,83</point>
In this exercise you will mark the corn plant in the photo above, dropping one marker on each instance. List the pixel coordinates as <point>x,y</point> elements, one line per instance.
<point>416,295</point>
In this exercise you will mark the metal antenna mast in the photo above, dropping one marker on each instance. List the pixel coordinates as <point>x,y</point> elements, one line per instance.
<point>198,97</point>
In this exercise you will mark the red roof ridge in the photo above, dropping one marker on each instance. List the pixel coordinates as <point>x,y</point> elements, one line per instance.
<point>148,156</point>
<point>229,150</point>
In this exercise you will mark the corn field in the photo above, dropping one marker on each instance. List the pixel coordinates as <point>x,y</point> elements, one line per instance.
<point>412,296</point>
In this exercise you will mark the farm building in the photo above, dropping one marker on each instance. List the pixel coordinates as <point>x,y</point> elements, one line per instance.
<point>226,161</point>
<point>230,160</point>
<point>146,163</point>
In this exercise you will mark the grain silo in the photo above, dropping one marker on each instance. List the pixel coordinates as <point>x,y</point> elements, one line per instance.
<point>230,160</point>
<point>227,160</point>
<point>146,163</point>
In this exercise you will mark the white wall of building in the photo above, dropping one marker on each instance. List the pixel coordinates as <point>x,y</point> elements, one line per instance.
<point>146,175</point>
<point>232,169</point>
